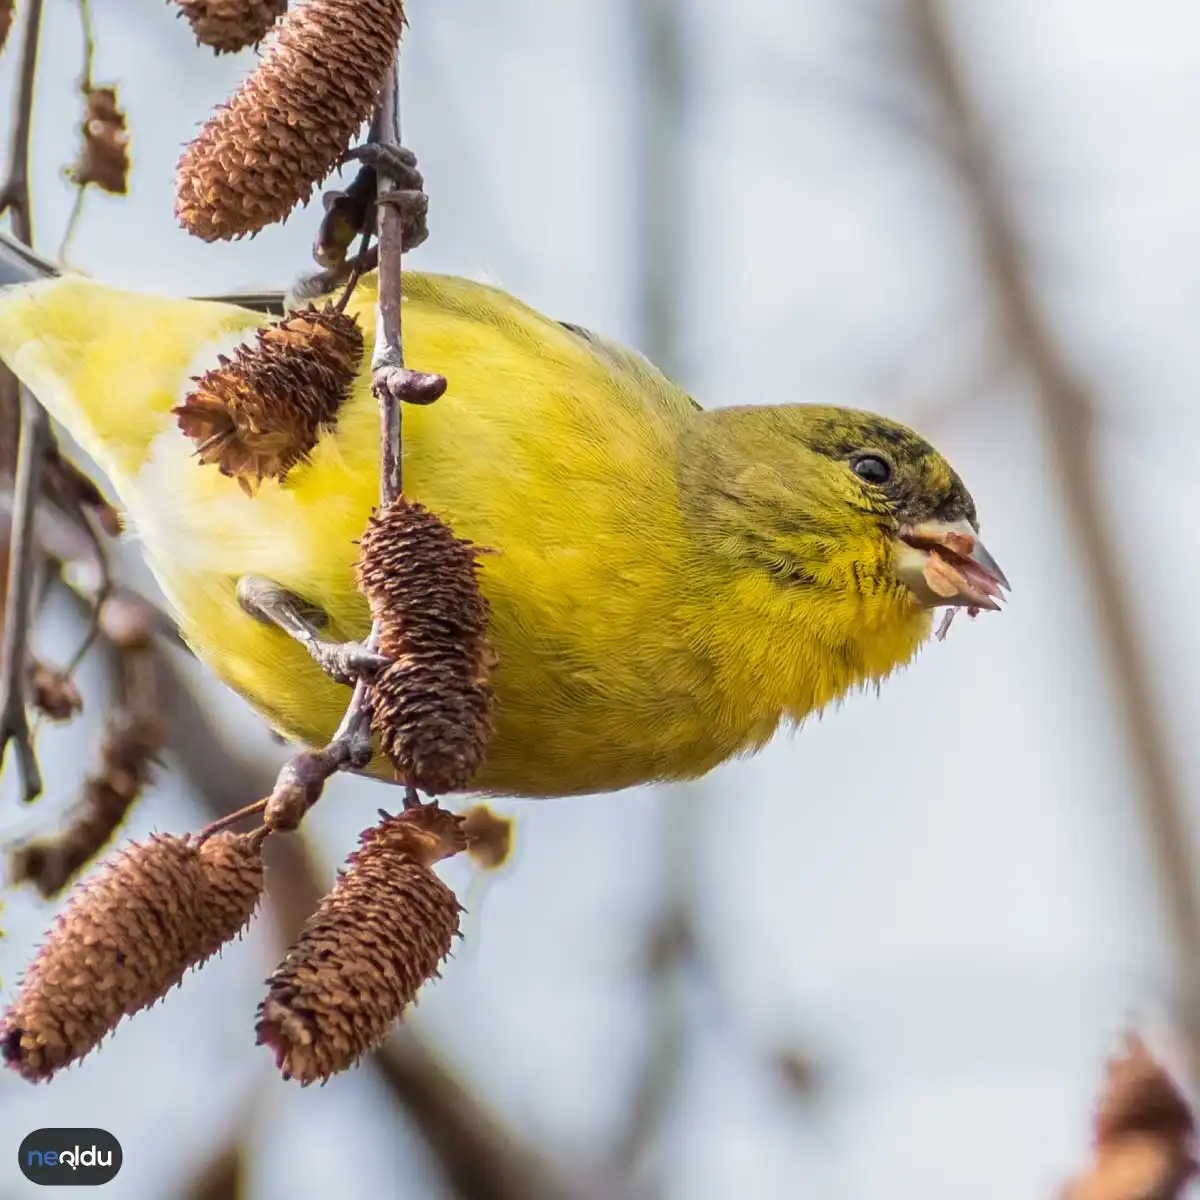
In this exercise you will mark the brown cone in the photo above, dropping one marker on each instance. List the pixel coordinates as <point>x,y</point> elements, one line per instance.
<point>432,704</point>
<point>104,161</point>
<point>364,954</point>
<point>260,413</point>
<point>290,123</point>
<point>231,25</point>
<point>128,935</point>
<point>128,754</point>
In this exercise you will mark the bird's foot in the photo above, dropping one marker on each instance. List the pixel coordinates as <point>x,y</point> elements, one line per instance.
<point>407,194</point>
<point>346,662</point>
<point>351,213</point>
<point>407,386</point>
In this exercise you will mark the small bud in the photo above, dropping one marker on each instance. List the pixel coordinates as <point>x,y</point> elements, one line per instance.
<point>364,954</point>
<point>489,837</point>
<point>432,704</point>
<point>260,413</point>
<point>127,937</point>
<point>104,160</point>
<point>128,755</point>
<point>289,124</point>
<point>231,25</point>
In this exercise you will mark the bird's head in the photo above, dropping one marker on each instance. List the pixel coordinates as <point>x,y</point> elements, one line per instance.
<point>841,500</point>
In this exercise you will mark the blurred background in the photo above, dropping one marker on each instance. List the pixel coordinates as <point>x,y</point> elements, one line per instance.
<point>888,956</point>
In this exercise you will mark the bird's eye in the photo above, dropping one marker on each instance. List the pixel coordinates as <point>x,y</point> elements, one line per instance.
<point>871,467</point>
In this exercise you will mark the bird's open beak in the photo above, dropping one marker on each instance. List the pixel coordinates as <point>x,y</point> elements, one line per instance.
<point>946,564</point>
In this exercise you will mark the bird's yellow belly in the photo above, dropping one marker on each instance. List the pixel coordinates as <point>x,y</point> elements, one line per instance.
<point>564,725</point>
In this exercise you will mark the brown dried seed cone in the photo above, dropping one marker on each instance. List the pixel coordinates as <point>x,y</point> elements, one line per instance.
<point>363,955</point>
<point>231,25</point>
<point>289,124</point>
<point>128,755</point>
<point>128,935</point>
<point>432,706</point>
<point>260,413</point>
<point>104,160</point>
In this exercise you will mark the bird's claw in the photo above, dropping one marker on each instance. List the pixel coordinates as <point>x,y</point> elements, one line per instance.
<point>408,386</point>
<point>407,194</point>
<point>347,662</point>
<point>398,163</point>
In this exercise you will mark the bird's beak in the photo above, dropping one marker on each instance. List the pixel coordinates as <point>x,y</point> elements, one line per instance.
<point>945,563</point>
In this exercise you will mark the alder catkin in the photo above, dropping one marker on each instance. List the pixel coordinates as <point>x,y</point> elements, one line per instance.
<point>231,25</point>
<point>128,935</point>
<point>104,159</point>
<point>260,413</point>
<point>432,705</point>
<point>363,955</point>
<point>290,123</point>
<point>128,754</point>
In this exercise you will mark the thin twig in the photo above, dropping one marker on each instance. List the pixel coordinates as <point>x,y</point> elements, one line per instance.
<point>303,778</point>
<point>14,195</point>
<point>388,355</point>
<point>14,722</point>
<point>85,87</point>
<point>1069,412</point>
<point>34,431</point>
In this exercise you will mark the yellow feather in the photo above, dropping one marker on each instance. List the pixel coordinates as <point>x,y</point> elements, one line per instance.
<point>644,624</point>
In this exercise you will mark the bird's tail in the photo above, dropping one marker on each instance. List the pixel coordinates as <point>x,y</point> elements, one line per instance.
<point>19,264</point>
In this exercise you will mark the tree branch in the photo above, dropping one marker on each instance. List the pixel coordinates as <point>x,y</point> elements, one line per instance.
<point>33,438</point>
<point>1069,413</point>
<point>14,195</point>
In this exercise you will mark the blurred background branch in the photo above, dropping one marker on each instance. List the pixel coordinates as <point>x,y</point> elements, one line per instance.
<point>1068,410</point>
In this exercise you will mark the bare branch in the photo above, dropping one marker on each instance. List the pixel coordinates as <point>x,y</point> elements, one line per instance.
<point>1069,413</point>
<point>14,194</point>
<point>14,722</point>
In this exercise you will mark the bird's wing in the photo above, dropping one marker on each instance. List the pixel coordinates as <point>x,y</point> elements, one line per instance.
<point>624,359</point>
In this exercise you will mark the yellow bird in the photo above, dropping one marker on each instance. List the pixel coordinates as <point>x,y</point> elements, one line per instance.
<point>669,585</point>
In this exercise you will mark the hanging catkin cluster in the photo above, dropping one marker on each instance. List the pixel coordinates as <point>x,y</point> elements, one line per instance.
<point>128,754</point>
<point>363,955</point>
<point>128,935</point>
<point>261,412</point>
<point>231,25</point>
<point>290,123</point>
<point>432,704</point>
